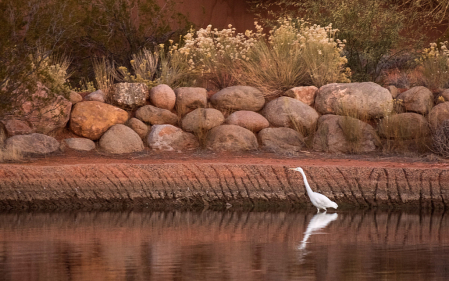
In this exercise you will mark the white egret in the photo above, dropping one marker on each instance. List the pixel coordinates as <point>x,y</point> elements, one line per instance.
<point>318,200</point>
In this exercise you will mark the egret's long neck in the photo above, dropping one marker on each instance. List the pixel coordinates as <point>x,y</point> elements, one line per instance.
<point>306,183</point>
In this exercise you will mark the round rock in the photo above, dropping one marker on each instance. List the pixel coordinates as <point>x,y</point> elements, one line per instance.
<point>121,139</point>
<point>190,98</point>
<point>250,120</point>
<point>363,100</point>
<point>231,138</point>
<point>404,126</point>
<point>281,140</point>
<point>163,96</point>
<point>238,98</point>
<point>156,116</point>
<point>171,138</point>
<point>138,126</point>
<point>292,113</point>
<point>202,119</point>
<point>82,144</point>
<point>438,114</point>
<point>35,144</point>
<point>417,99</point>
<point>128,95</point>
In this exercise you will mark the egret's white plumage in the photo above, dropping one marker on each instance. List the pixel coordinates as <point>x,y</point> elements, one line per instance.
<point>318,200</point>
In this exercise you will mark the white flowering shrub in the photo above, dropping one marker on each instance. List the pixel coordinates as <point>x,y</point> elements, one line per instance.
<point>434,63</point>
<point>51,71</point>
<point>213,53</point>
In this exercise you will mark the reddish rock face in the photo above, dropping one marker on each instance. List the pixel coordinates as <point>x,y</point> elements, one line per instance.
<point>305,94</point>
<point>91,119</point>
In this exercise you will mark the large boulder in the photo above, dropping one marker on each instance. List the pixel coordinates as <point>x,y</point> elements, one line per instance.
<point>292,113</point>
<point>156,116</point>
<point>438,114</point>
<point>404,126</point>
<point>17,127</point>
<point>344,134</point>
<point>305,94</point>
<point>171,138</point>
<point>163,96</point>
<point>98,95</point>
<point>190,98</point>
<point>121,139</point>
<point>281,140</point>
<point>44,111</point>
<point>34,144</point>
<point>81,144</point>
<point>231,138</point>
<point>91,119</point>
<point>202,119</point>
<point>138,126</point>
<point>238,98</point>
<point>417,99</point>
<point>362,100</point>
<point>248,119</point>
<point>128,95</point>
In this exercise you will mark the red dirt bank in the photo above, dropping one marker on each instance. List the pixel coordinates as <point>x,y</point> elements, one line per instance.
<point>95,181</point>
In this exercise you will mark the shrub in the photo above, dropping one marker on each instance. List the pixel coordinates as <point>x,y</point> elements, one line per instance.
<point>434,64</point>
<point>376,31</point>
<point>212,53</point>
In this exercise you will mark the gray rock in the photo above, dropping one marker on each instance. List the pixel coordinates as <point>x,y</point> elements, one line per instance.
<point>248,119</point>
<point>404,126</point>
<point>163,96</point>
<point>121,139</point>
<point>417,99</point>
<point>343,134</point>
<point>138,126</point>
<point>190,98</point>
<point>438,114</point>
<point>98,95</point>
<point>156,116</point>
<point>202,119</point>
<point>34,144</point>
<point>364,100</point>
<point>231,138</point>
<point>281,140</point>
<point>129,95</point>
<point>292,113</point>
<point>82,144</point>
<point>238,98</point>
<point>171,138</point>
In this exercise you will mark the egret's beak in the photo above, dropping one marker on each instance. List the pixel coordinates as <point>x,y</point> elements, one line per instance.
<point>293,169</point>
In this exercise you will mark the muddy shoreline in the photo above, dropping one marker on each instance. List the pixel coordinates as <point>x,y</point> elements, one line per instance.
<point>189,182</point>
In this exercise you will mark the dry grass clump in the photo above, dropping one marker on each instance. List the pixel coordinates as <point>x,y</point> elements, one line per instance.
<point>440,139</point>
<point>104,74</point>
<point>158,67</point>
<point>12,155</point>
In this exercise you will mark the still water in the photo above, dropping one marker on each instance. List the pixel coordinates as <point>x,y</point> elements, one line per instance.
<point>210,245</point>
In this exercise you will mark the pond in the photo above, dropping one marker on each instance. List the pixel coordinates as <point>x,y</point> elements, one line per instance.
<point>227,245</point>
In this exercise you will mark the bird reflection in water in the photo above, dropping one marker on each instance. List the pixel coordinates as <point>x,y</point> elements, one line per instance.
<point>317,223</point>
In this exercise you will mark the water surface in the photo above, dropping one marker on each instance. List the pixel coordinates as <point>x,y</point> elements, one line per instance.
<point>209,245</point>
